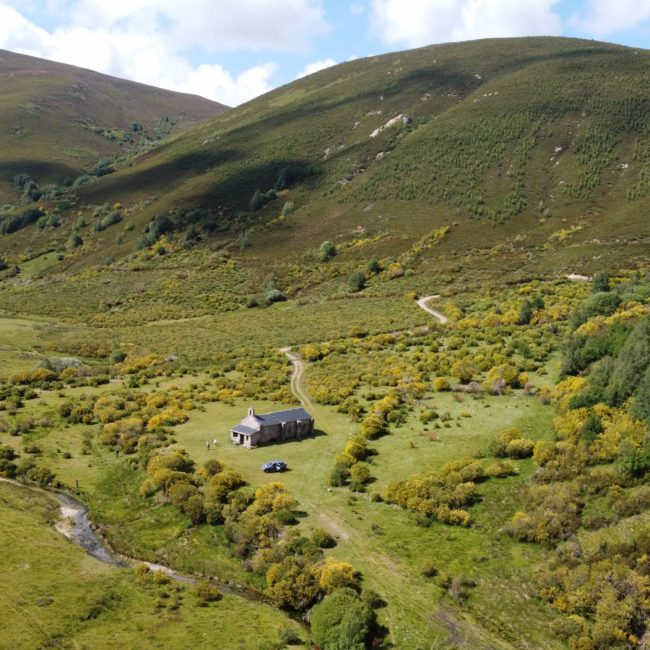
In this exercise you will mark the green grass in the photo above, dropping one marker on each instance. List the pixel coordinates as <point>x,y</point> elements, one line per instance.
<point>479,157</point>
<point>476,160</point>
<point>56,596</point>
<point>384,542</point>
<point>35,267</point>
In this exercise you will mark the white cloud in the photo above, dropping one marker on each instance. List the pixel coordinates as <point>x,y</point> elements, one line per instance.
<point>216,83</point>
<point>356,8</point>
<point>149,40</point>
<point>413,23</point>
<point>316,66</point>
<point>603,17</point>
<point>16,32</point>
<point>286,25</point>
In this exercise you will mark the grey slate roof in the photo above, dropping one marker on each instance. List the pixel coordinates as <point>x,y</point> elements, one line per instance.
<point>242,428</point>
<point>289,415</point>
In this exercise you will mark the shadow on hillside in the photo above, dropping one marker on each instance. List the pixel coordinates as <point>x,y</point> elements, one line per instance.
<point>435,78</point>
<point>41,171</point>
<point>158,177</point>
<point>307,110</point>
<point>233,187</point>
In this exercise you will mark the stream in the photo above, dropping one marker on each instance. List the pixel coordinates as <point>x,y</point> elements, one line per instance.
<point>75,525</point>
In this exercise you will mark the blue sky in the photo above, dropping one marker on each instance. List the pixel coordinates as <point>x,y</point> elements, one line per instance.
<point>232,51</point>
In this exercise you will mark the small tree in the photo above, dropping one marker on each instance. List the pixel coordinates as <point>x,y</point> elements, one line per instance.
<point>335,574</point>
<point>74,241</point>
<point>374,267</point>
<point>600,282</point>
<point>243,240</point>
<point>327,250</point>
<point>341,620</point>
<point>275,295</point>
<point>357,281</point>
<point>257,201</point>
<point>525,313</point>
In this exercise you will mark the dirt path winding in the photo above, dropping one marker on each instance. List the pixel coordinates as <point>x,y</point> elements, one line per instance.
<point>297,387</point>
<point>297,377</point>
<point>422,304</point>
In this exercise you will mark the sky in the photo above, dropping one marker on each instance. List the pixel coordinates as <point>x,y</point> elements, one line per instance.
<point>234,50</point>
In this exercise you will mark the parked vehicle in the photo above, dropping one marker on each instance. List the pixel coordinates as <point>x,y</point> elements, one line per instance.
<point>274,466</point>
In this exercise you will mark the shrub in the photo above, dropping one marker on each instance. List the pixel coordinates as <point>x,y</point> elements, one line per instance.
<point>341,620</point>
<point>210,468</point>
<point>427,415</point>
<point>600,282</point>
<point>428,570</point>
<point>117,356</point>
<point>275,295</point>
<point>441,384</point>
<point>257,201</point>
<point>289,636</point>
<point>291,584</point>
<point>374,267</point>
<point>327,250</point>
<point>7,452</point>
<point>356,281</point>
<point>373,427</point>
<point>287,208</point>
<point>225,482</point>
<point>520,448</point>
<point>322,538</point>
<point>74,241</point>
<point>207,592</point>
<point>602,303</point>
<point>359,475</point>
<point>340,475</point>
<point>501,469</point>
<point>40,475</point>
<point>7,468</point>
<point>10,224</point>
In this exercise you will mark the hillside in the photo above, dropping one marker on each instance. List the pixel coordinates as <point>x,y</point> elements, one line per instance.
<point>502,133</point>
<point>59,119</point>
<point>526,155</point>
<point>538,145</point>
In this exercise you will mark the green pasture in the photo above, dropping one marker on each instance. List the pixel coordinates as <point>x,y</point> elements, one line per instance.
<point>55,596</point>
<point>384,542</point>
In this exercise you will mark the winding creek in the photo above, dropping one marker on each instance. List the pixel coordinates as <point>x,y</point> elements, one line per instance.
<point>74,524</point>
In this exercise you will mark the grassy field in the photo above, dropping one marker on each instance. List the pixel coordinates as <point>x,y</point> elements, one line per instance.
<point>55,596</point>
<point>385,543</point>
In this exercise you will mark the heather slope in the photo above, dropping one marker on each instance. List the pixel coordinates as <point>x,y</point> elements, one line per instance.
<point>59,119</point>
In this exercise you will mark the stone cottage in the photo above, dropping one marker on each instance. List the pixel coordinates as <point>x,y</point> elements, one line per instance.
<point>266,428</point>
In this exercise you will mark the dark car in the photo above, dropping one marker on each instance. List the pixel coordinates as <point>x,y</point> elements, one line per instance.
<point>274,466</point>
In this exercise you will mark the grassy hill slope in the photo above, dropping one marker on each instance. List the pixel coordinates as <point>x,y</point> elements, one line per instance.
<point>501,133</point>
<point>58,119</point>
<point>505,158</point>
